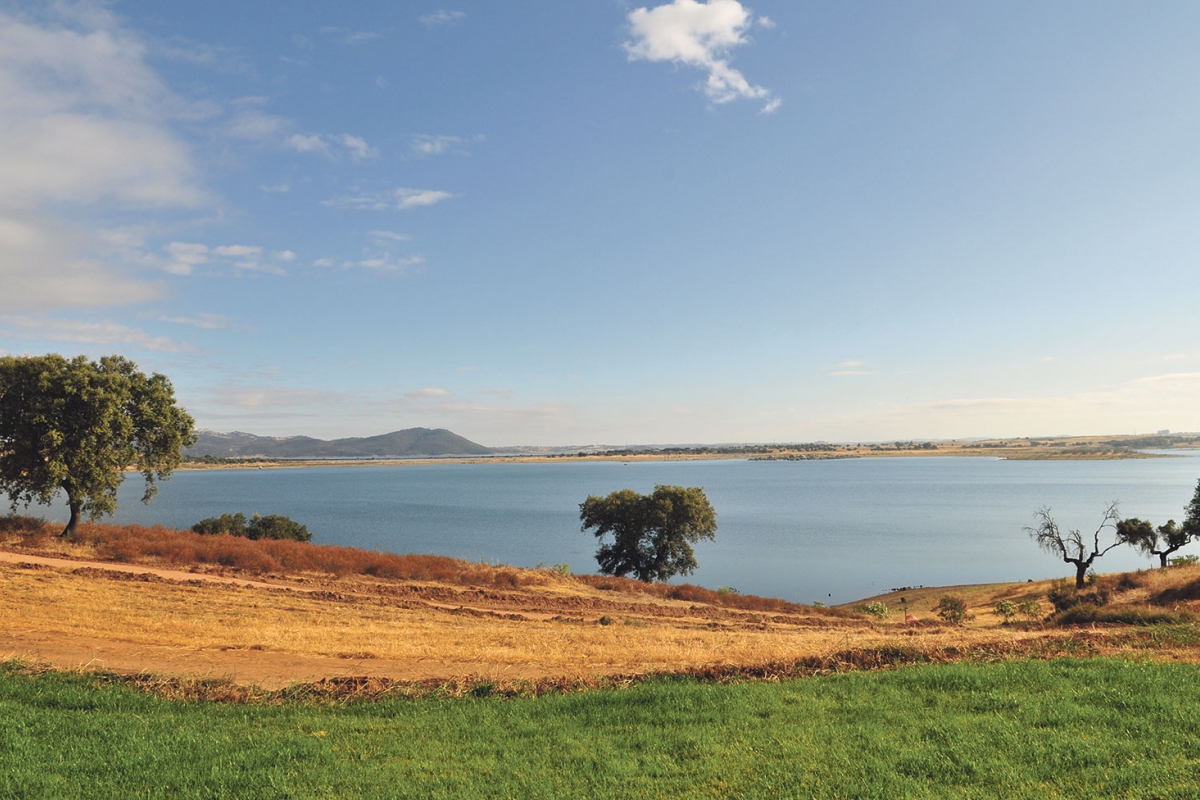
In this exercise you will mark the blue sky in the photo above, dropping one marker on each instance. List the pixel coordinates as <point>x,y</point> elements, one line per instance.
<point>570,223</point>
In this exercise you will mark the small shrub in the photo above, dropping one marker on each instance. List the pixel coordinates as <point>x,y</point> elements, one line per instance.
<point>723,590</point>
<point>952,609</point>
<point>1129,581</point>
<point>1006,609</point>
<point>817,604</point>
<point>605,621</point>
<point>875,609</point>
<point>562,569</point>
<point>1064,595</point>
<point>19,524</point>
<point>1184,561</point>
<point>277,526</point>
<point>272,526</point>
<point>1030,610</point>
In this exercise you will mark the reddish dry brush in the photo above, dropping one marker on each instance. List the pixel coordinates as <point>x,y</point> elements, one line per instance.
<point>160,545</point>
<point>138,544</point>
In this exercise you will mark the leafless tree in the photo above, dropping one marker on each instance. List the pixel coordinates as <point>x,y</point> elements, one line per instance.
<point>1072,546</point>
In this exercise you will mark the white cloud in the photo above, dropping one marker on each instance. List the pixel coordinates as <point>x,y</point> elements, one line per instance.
<point>324,144</point>
<point>382,82</point>
<point>358,37</point>
<point>358,147</point>
<point>428,392</point>
<point>423,145</point>
<point>185,256</point>
<point>201,319</point>
<point>79,332</point>
<point>765,22</point>
<point>85,126</point>
<point>386,263</point>
<point>237,250</point>
<point>401,199</point>
<point>698,35</point>
<point>324,262</point>
<point>388,236</point>
<point>307,143</point>
<point>441,17</point>
<point>256,126</point>
<point>277,189</point>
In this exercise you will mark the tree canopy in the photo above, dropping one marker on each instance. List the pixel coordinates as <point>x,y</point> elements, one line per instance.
<point>1165,539</point>
<point>652,534</point>
<point>76,425</point>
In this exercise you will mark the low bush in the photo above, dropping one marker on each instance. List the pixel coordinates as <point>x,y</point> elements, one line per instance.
<point>1063,595</point>
<point>1177,594</point>
<point>1006,609</point>
<point>876,609</point>
<point>953,610</point>
<point>1087,614</point>
<point>272,526</point>
<point>1030,610</point>
<point>19,525</point>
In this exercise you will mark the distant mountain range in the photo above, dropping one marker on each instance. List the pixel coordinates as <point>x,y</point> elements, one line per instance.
<point>409,442</point>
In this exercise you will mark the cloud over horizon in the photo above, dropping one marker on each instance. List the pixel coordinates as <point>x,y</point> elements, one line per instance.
<point>700,34</point>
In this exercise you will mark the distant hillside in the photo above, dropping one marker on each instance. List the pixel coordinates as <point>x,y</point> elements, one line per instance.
<point>410,442</point>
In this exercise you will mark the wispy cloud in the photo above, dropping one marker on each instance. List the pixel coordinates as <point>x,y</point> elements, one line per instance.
<point>428,392</point>
<point>184,257</point>
<point>81,332</point>
<point>389,236</point>
<point>699,35</point>
<point>201,319</point>
<point>330,144</point>
<point>401,199</point>
<point>386,263</point>
<point>350,37</point>
<point>422,145</point>
<point>849,368</point>
<point>442,17</point>
<point>1148,403</point>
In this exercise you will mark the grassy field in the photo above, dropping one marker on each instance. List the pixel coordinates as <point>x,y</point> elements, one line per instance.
<point>1044,729</point>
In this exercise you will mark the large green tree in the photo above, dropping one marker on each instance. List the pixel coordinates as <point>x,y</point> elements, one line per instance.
<point>1165,539</point>
<point>652,534</point>
<point>77,425</point>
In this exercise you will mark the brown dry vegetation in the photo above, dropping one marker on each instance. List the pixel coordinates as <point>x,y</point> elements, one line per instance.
<point>304,613</point>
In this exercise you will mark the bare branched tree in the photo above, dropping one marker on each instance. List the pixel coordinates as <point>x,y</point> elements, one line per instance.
<point>1072,547</point>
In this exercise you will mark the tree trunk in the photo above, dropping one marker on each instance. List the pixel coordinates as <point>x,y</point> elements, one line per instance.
<point>69,531</point>
<point>1162,559</point>
<point>1081,568</point>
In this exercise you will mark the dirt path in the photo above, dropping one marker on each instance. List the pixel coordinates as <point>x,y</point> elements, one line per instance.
<point>132,569</point>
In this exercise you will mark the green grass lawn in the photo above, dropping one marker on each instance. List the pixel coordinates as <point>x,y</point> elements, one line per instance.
<point>1064,728</point>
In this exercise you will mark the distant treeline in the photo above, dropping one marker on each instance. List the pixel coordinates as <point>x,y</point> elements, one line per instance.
<point>744,449</point>
<point>222,460</point>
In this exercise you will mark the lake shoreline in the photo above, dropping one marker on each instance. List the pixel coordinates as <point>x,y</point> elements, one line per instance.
<point>1069,449</point>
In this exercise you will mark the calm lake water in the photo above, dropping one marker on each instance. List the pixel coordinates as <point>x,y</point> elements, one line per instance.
<point>811,530</point>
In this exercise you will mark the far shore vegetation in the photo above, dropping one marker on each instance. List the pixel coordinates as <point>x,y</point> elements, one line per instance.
<point>1069,448</point>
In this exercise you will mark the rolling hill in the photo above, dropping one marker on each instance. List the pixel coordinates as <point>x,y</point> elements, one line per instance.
<point>405,443</point>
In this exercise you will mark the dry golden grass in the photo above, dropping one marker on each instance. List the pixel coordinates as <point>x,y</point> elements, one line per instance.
<point>335,623</point>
